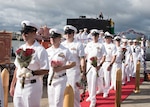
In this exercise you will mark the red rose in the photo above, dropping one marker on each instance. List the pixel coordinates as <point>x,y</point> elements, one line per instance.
<point>19,51</point>
<point>93,61</point>
<point>28,52</point>
<point>92,58</point>
<point>24,57</point>
<point>124,49</point>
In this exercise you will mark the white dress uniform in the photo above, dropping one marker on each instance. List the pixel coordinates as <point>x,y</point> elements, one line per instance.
<point>84,38</point>
<point>101,40</point>
<point>131,65</point>
<point>110,52</point>
<point>89,37</point>
<point>126,65</point>
<point>117,65</point>
<point>1,93</point>
<point>31,94</point>
<point>136,53</point>
<point>57,88</point>
<point>78,36</point>
<point>73,74</point>
<point>93,50</point>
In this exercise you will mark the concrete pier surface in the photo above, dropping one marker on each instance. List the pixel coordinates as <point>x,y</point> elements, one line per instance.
<point>133,100</point>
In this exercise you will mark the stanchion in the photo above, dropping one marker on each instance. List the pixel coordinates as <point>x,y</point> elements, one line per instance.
<point>5,82</point>
<point>118,88</point>
<point>68,97</point>
<point>137,78</point>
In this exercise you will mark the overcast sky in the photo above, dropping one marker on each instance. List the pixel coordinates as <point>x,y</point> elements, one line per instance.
<point>126,14</point>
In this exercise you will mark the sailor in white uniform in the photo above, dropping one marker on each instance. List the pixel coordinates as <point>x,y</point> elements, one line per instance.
<point>109,60</point>
<point>131,65</point>
<point>77,50</point>
<point>31,94</point>
<point>96,50</point>
<point>126,62</point>
<point>136,53</point>
<point>78,35</point>
<point>58,57</point>
<point>101,37</point>
<point>117,63</point>
<point>84,38</point>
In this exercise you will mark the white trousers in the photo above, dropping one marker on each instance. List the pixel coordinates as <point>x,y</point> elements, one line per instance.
<point>29,96</point>
<point>115,67</point>
<point>135,60</point>
<point>107,77</point>
<point>56,92</point>
<point>92,83</point>
<point>131,68</point>
<point>123,73</point>
<point>100,84</point>
<point>73,76</point>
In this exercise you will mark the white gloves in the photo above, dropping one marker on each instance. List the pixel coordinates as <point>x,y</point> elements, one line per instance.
<point>26,73</point>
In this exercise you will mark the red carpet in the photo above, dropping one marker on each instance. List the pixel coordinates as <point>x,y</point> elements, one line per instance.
<point>110,101</point>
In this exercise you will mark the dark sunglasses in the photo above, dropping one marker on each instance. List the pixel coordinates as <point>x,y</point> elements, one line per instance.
<point>69,31</point>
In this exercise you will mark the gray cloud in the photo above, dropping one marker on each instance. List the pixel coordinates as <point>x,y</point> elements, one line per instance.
<point>53,13</point>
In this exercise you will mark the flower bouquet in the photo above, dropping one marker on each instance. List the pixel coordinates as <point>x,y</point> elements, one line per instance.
<point>123,54</point>
<point>24,58</point>
<point>94,63</point>
<point>54,64</point>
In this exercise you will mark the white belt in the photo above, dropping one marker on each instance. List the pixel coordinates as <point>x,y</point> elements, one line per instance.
<point>117,62</point>
<point>107,61</point>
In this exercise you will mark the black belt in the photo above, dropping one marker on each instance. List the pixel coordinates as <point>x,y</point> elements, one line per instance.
<point>29,81</point>
<point>33,81</point>
<point>58,76</point>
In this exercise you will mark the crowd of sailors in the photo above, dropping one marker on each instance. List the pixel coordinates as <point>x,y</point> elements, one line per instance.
<point>112,52</point>
<point>94,56</point>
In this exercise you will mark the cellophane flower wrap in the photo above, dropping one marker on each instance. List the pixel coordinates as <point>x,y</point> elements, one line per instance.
<point>123,54</point>
<point>24,58</point>
<point>94,62</point>
<point>55,63</point>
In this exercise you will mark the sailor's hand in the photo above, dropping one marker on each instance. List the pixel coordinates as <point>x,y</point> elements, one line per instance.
<point>109,68</point>
<point>25,72</point>
<point>83,76</point>
<point>29,74</point>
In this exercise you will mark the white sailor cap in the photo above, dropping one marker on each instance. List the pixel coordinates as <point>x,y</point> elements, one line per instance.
<point>101,32</point>
<point>130,41</point>
<point>55,33</point>
<point>117,38</point>
<point>124,40</point>
<point>28,26</point>
<point>69,29</point>
<point>107,34</point>
<point>123,36</point>
<point>94,32</point>
<point>81,30</point>
<point>135,40</point>
<point>85,29</point>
